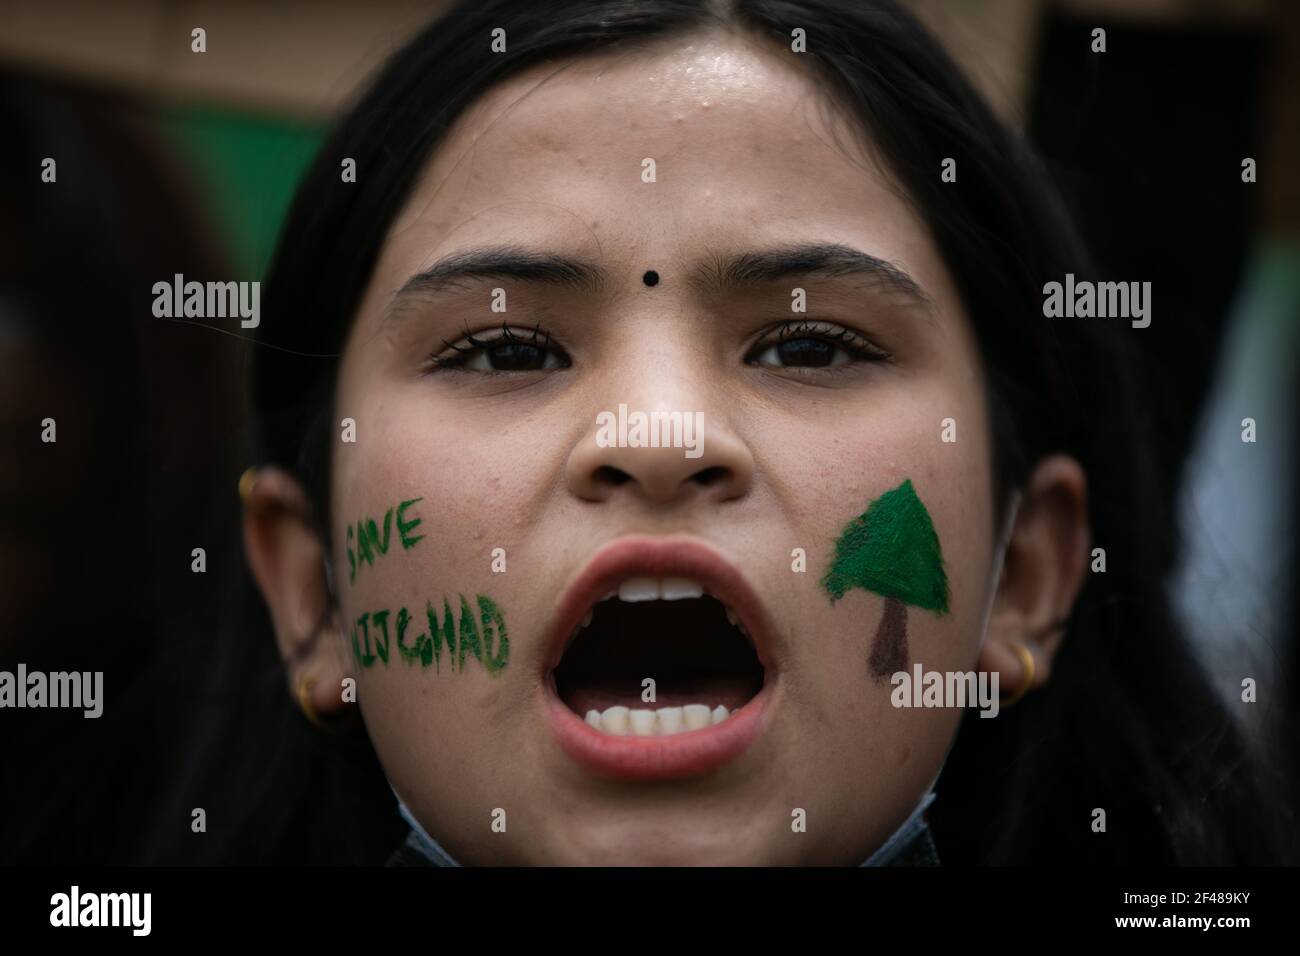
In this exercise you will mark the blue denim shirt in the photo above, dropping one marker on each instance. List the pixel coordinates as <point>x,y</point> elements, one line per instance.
<point>910,845</point>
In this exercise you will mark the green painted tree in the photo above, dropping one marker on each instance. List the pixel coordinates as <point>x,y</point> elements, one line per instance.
<point>892,550</point>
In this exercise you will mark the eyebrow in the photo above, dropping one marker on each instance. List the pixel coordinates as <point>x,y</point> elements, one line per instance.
<point>806,260</point>
<point>506,262</point>
<point>718,275</point>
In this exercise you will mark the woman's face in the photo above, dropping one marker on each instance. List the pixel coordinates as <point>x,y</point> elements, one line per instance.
<point>706,162</point>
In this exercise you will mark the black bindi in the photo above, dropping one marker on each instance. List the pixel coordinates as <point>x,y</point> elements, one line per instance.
<point>650,278</point>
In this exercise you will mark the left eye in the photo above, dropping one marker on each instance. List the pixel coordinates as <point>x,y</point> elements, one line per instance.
<point>811,344</point>
<point>803,353</point>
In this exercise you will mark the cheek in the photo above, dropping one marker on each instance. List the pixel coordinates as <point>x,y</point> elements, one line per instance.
<point>431,624</point>
<point>897,751</point>
<point>475,491</point>
<point>899,437</point>
<point>832,468</point>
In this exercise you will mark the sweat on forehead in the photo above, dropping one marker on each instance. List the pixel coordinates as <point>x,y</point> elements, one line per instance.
<point>714,109</point>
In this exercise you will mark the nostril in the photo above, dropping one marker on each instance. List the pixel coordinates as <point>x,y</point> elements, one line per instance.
<point>609,475</point>
<point>709,476</point>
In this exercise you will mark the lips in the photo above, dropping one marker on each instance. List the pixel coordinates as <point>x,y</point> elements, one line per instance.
<point>676,611</point>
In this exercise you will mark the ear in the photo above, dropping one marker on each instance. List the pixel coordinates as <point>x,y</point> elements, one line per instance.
<point>1042,573</point>
<point>287,560</point>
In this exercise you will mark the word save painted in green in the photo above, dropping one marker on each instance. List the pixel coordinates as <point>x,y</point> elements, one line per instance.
<point>892,550</point>
<point>485,640</point>
<point>370,542</point>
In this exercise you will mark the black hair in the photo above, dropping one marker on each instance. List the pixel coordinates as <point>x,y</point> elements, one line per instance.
<point>1128,722</point>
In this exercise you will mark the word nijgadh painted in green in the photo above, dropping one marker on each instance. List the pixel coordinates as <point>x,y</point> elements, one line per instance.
<point>485,639</point>
<point>369,542</point>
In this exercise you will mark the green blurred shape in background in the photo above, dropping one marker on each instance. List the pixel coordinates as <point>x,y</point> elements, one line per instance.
<point>245,168</point>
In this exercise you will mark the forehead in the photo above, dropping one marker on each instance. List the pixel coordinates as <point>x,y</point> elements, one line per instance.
<point>741,141</point>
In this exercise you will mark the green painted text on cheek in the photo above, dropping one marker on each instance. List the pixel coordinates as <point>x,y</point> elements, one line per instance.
<point>370,542</point>
<point>375,633</point>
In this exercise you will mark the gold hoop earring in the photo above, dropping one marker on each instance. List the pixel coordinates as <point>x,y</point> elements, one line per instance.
<point>333,725</point>
<point>1027,660</point>
<point>304,700</point>
<point>246,482</point>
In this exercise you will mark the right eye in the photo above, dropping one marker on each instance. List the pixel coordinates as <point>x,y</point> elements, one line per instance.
<point>503,351</point>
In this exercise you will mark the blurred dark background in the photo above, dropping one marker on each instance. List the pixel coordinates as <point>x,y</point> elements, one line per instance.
<point>174,161</point>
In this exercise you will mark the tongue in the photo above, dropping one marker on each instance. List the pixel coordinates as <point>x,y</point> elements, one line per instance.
<point>730,692</point>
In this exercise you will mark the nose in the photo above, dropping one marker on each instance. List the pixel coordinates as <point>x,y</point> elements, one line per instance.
<point>611,459</point>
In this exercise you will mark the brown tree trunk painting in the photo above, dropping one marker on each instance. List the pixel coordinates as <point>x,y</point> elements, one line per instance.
<point>889,649</point>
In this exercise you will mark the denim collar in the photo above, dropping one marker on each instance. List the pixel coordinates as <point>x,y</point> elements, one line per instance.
<point>420,841</point>
<point>911,844</point>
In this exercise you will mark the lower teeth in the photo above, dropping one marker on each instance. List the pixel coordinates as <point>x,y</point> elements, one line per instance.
<point>665,721</point>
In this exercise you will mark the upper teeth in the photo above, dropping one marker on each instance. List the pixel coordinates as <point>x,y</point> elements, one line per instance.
<point>659,589</point>
<point>634,590</point>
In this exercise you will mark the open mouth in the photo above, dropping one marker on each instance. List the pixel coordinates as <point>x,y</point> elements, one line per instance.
<point>662,635</point>
<point>661,661</point>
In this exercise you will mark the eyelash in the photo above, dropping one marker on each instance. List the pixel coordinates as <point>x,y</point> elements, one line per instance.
<point>471,345</point>
<point>855,345</point>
